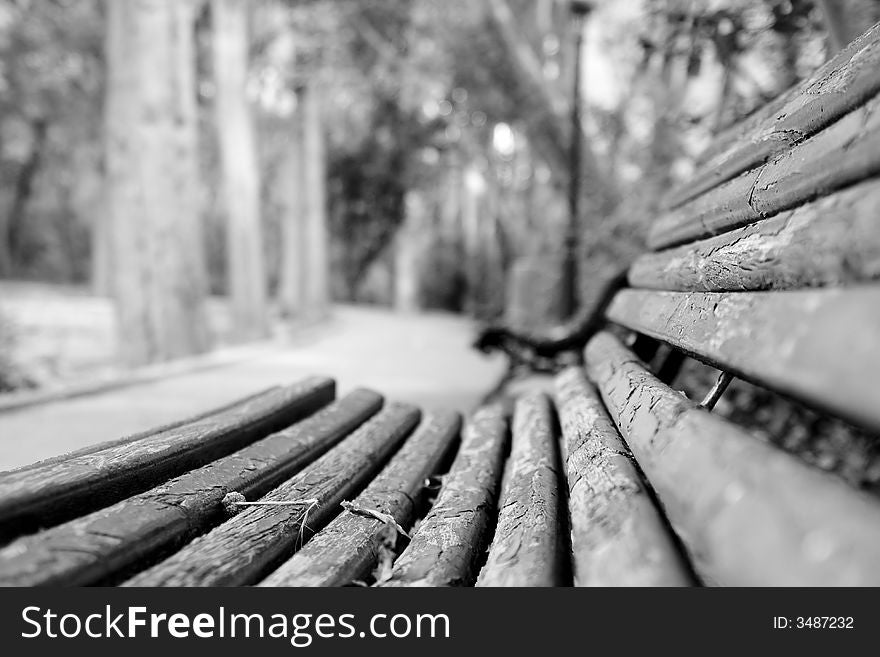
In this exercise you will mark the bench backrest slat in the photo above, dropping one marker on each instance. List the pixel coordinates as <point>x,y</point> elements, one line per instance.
<point>819,346</point>
<point>840,85</point>
<point>845,153</point>
<point>832,241</point>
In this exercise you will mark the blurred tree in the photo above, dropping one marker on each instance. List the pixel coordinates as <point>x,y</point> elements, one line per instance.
<point>461,105</point>
<point>159,283</point>
<point>304,277</point>
<point>50,86</point>
<point>292,269</point>
<point>246,276</point>
<point>314,211</point>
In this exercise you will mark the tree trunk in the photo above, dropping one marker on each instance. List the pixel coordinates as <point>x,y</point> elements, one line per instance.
<point>293,249</point>
<point>474,188</point>
<point>102,254</point>
<point>409,252</point>
<point>316,290</point>
<point>240,173</point>
<point>159,281</point>
<point>304,287</point>
<point>189,187</point>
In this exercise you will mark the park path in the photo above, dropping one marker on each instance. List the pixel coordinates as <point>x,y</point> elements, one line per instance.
<point>424,359</point>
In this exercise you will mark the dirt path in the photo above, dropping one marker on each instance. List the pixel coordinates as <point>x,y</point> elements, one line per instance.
<point>424,359</point>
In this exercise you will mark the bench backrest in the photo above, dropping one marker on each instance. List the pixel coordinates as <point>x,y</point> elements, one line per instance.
<point>765,264</point>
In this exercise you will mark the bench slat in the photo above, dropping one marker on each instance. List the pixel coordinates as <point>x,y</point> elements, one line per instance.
<point>251,544</point>
<point>839,86</point>
<point>529,541</point>
<point>832,241</point>
<point>819,346</point>
<point>107,544</point>
<point>347,548</point>
<point>749,513</point>
<point>114,442</point>
<point>450,540</point>
<point>843,154</point>
<point>618,536</point>
<point>751,125</point>
<point>59,490</point>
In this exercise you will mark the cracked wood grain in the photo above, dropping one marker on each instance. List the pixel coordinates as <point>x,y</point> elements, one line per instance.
<point>845,153</point>
<point>842,84</point>
<point>833,241</point>
<point>446,549</point>
<point>347,549</point>
<point>749,514</point>
<point>617,534</point>
<point>819,346</point>
<point>110,543</point>
<point>528,547</point>
<point>59,490</point>
<point>114,442</point>
<point>254,542</point>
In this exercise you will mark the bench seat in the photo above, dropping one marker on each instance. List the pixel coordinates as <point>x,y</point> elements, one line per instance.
<point>523,500</point>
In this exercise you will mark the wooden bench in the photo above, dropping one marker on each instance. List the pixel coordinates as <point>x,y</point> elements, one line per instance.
<point>763,266</point>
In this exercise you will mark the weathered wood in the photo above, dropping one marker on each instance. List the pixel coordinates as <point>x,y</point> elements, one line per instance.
<point>59,490</point>
<point>618,537</point>
<point>819,346</point>
<point>111,543</point>
<point>726,205</point>
<point>347,548</point>
<point>528,546</point>
<point>843,154</point>
<point>749,513</point>
<point>113,442</point>
<point>837,87</point>
<point>833,241</point>
<point>450,540</point>
<point>245,548</point>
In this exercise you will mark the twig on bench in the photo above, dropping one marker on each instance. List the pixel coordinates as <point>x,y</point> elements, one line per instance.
<point>712,397</point>
<point>376,515</point>
<point>233,500</point>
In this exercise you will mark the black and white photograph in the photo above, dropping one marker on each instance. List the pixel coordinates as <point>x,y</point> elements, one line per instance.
<point>396,294</point>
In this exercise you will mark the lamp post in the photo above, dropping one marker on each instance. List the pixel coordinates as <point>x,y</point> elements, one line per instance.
<point>579,10</point>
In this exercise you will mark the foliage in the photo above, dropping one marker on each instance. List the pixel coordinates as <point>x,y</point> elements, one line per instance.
<point>411,85</point>
<point>368,183</point>
<point>50,89</point>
